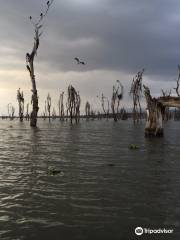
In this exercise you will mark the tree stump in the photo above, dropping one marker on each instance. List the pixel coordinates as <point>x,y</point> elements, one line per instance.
<point>154,120</point>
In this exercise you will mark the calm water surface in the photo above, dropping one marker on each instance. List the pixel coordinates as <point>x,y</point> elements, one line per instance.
<point>104,189</point>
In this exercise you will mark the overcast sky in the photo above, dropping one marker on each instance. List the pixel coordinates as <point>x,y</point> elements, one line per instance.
<point>116,38</point>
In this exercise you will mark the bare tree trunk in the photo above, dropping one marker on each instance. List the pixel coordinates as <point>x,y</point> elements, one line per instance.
<point>154,118</point>
<point>30,64</point>
<point>20,99</point>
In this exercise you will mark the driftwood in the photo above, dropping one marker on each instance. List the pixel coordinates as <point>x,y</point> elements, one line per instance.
<point>30,63</point>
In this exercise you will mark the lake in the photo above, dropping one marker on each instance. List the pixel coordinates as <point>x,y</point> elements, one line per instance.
<point>102,189</point>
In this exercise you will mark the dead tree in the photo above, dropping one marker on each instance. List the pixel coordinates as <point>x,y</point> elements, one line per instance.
<point>30,63</point>
<point>20,98</point>
<point>166,116</point>
<point>105,105</point>
<point>53,113</point>
<point>154,115</point>
<point>87,109</point>
<point>49,106</point>
<point>73,104</point>
<point>11,111</point>
<point>177,82</point>
<point>177,111</point>
<point>136,91</point>
<point>27,111</point>
<point>61,106</point>
<point>117,95</point>
<point>77,107</point>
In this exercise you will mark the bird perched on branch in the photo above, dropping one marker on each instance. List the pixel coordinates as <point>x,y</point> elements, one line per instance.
<point>79,61</point>
<point>48,3</point>
<point>30,18</point>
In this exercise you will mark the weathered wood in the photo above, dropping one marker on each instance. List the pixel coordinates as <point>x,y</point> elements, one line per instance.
<point>153,126</point>
<point>30,64</point>
<point>169,101</point>
<point>136,90</point>
<point>117,95</point>
<point>155,110</point>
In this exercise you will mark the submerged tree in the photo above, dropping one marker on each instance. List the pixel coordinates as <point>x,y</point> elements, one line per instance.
<point>166,115</point>
<point>73,104</point>
<point>27,111</point>
<point>105,105</point>
<point>30,63</point>
<point>87,109</point>
<point>154,115</point>
<point>11,111</point>
<point>177,111</point>
<point>177,82</point>
<point>61,106</point>
<point>117,95</point>
<point>136,92</point>
<point>53,113</point>
<point>49,106</point>
<point>20,98</point>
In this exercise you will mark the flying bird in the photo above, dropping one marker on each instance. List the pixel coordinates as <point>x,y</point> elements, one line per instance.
<point>79,61</point>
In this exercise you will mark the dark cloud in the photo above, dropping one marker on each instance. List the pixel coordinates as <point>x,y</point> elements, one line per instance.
<point>111,35</point>
<point>116,36</point>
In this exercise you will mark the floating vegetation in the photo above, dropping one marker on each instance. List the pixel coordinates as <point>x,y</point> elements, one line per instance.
<point>111,164</point>
<point>133,147</point>
<point>52,171</point>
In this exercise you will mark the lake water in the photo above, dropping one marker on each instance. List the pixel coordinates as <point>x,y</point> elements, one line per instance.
<point>104,190</point>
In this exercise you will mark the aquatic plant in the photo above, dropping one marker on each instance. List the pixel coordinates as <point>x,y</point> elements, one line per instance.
<point>133,146</point>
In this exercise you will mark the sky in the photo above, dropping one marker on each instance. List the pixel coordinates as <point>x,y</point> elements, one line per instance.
<point>116,38</point>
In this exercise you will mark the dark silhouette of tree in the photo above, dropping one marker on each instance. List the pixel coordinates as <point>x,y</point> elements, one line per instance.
<point>87,109</point>
<point>20,98</point>
<point>49,106</point>
<point>136,92</point>
<point>30,62</point>
<point>61,106</point>
<point>73,104</point>
<point>117,95</point>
